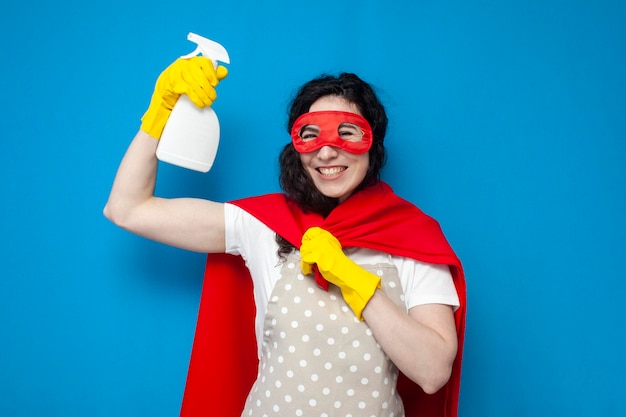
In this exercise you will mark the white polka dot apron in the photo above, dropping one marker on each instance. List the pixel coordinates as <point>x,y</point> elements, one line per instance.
<point>317,358</point>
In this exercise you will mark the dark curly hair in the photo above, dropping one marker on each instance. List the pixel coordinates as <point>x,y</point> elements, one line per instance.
<point>294,180</point>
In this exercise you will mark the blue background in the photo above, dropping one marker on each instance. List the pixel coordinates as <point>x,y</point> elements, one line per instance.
<point>507,124</point>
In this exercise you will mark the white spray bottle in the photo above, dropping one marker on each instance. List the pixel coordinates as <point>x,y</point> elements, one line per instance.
<point>192,134</point>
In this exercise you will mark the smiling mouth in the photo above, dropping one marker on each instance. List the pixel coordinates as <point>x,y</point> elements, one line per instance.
<point>329,172</point>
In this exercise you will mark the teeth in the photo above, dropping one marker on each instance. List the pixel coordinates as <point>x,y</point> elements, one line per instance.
<point>330,171</point>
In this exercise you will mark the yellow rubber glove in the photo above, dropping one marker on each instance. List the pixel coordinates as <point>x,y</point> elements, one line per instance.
<point>322,248</point>
<point>195,77</point>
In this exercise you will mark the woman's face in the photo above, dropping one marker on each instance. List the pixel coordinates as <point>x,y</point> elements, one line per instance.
<point>335,172</point>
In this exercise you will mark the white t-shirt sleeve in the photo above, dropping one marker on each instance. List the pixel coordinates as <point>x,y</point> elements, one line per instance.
<point>427,283</point>
<point>245,235</point>
<point>422,283</point>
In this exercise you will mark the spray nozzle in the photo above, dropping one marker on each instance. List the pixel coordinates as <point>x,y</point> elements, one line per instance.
<point>208,48</point>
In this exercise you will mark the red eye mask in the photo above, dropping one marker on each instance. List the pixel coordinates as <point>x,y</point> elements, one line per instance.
<point>344,130</point>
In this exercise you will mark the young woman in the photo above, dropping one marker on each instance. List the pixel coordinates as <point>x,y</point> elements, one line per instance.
<point>352,284</point>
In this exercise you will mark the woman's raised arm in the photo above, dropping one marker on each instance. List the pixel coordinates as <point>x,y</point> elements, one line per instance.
<point>186,223</point>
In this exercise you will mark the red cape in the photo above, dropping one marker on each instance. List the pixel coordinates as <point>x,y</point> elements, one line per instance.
<point>224,361</point>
